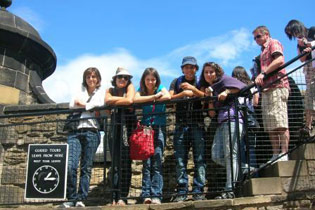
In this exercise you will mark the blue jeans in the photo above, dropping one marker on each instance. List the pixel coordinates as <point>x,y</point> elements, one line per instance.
<point>82,147</point>
<point>250,151</point>
<point>184,138</point>
<point>152,177</point>
<point>221,150</point>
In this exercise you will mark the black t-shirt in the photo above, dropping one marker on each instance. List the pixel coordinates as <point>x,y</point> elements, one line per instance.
<point>186,112</point>
<point>172,85</point>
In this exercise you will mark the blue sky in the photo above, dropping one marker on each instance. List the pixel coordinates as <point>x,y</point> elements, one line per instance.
<point>138,34</point>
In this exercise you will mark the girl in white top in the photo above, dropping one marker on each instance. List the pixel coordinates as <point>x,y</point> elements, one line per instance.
<point>84,141</point>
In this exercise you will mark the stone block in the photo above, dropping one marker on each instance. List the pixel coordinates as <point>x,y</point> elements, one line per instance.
<point>21,81</point>
<point>7,77</point>
<point>14,61</point>
<point>304,152</point>
<point>252,200</point>
<point>311,167</point>
<point>13,175</point>
<point>286,169</point>
<point>15,156</point>
<point>300,183</point>
<point>11,194</point>
<point>8,136</point>
<point>97,175</point>
<point>8,95</point>
<point>212,204</point>
<point>312,182</point>
<point>3,134</point>
<point>134,207</point>
<point>22,129</point>
<point>297,204</point>
<point>263,186</point>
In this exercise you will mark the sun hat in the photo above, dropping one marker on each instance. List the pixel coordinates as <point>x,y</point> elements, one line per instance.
<point>122,71</point>
<point>189,60</point>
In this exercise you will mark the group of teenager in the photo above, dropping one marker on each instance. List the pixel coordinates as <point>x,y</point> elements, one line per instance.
<point>274,92</point>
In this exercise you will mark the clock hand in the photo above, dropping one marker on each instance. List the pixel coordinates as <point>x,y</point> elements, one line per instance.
<point>48,175</point>
<point>50,179</point>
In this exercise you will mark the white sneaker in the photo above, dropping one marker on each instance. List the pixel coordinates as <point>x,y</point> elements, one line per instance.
<point>156,201</point>
<point>273,159</point>
<point>284,157</point>
<point>67,204</point>
<point>79,204</point>
<point>147,201</point>
<point>245,168</point>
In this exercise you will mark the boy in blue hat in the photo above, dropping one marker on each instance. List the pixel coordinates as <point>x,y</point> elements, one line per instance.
<point>188,131</point>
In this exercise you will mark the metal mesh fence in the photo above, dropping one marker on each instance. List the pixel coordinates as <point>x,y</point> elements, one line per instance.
<point>184,163</point>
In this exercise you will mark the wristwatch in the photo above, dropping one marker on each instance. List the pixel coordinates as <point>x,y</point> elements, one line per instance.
<point>264,73</point>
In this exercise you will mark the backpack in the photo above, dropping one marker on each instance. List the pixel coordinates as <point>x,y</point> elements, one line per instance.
<point>252,122</point>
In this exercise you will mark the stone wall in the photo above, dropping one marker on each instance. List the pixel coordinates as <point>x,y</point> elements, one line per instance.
<point>45,129</point>
<point>15,136</point>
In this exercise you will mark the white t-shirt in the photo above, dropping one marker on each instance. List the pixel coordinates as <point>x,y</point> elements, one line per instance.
<point>313,54</point>
<point>241,99</point>
<point>96,100</point>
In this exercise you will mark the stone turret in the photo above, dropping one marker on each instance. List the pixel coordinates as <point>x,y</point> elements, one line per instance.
<point>25,61</point>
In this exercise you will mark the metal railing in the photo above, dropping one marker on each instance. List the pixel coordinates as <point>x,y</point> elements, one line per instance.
<point>115,176</point>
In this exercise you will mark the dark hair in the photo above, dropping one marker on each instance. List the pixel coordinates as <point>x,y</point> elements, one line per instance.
<point>114,82</point>
<point>89,71</point>
<point>240,73</point>
<point>218,71</point>
<point>262,29</point>
<point>295,29</point>
<point>147,71</point>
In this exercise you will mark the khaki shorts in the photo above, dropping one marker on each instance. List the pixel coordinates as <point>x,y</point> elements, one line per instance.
<point>309,72</point>
<point>275,109</point>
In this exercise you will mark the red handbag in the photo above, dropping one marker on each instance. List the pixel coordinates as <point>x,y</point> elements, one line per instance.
<point>141,142</point>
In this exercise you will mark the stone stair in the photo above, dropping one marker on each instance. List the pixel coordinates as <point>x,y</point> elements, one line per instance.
<point>286,177</point>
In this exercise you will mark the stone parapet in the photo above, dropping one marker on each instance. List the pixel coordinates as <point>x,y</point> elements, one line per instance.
<point>304,152</point>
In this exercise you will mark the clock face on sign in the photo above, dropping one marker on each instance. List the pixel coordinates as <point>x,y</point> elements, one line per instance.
<point>45,179</point>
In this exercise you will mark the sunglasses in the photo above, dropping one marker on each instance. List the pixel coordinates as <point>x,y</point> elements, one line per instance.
<point>258,36</point>
<point>123,76</point>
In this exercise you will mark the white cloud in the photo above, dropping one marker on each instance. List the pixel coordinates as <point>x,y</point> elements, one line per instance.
<point>29,16</point>
<point>225,49</point>
<point>68,78</point>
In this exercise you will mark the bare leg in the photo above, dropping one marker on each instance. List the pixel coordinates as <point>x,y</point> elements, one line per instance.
<point>274,140</point>
<point>309,118</point>
<point>284,139</point>
<point>279,140</point>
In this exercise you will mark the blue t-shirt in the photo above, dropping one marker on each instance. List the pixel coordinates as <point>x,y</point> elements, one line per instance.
<point>159,118</point>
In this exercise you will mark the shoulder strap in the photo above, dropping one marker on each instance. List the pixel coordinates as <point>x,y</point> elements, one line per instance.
<point>90,97</point>
<point>178,82</point>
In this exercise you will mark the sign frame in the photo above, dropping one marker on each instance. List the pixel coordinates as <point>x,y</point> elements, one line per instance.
<point>46,172</point>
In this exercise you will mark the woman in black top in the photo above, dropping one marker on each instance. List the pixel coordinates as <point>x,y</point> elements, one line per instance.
<point>122,93</point>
